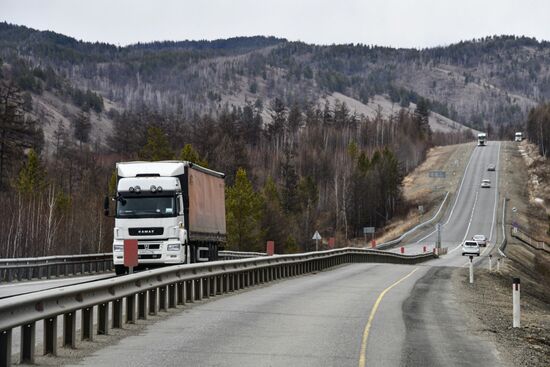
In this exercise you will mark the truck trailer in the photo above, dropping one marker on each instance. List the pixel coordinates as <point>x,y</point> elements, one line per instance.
<point>481,139</point>
<point>174,209</point>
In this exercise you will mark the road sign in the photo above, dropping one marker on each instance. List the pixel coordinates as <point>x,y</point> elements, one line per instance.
<point>437,174</point>
<point>368,230</point>
<point>316,236</point>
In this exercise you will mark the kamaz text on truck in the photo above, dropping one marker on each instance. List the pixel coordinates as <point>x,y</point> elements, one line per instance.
<point>481,139</point>
<point>174,209</point>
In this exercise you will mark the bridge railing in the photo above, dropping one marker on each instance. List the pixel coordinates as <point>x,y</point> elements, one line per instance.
<point>145,293</point>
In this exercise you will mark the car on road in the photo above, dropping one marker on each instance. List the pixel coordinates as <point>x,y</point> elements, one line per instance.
<point>491,167</point>
<point>485,183</point>
<point>470,248</point>
<point>480,239</point>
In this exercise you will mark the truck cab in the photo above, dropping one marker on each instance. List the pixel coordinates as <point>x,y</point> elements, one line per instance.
<point>518,137</point>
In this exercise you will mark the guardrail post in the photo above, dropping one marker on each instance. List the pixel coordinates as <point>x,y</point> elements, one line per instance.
<point>163,294</point>
<point>198,289</point>
<point>87,326</point>
<point>153,301</point>
<point>117,313</point>
<point>131,309</point>
<point>103,319</point>
<point>69,330</point>
<point>28,332</point>
<point>191,291</point>
<point>50,336</point>
<point>172,296</point>
<point>207,281</point>
<point>214,285</point>
<point>181,293</point>
<point>142,305</point>
<point>5,347</point>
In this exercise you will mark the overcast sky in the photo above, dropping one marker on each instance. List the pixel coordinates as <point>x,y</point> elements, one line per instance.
<point>397,23</point>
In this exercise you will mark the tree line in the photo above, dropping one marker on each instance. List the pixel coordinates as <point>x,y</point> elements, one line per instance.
<point>306,168</point>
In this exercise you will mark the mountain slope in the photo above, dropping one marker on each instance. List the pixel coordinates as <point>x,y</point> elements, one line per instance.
<point>487,82</point>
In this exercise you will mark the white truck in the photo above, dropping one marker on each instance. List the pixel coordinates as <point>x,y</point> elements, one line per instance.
<point>174,209</point>
<point>518,136</point>
<point>481,139</point>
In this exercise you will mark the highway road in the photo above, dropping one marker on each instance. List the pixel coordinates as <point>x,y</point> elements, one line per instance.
<point>316,320</point>
<point>473,211</point>
<point>354,315</point>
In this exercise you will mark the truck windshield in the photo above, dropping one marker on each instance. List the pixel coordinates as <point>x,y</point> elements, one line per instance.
<point>146,207</point>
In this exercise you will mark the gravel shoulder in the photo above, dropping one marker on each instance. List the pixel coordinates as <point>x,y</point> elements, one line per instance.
<point>488,303</point>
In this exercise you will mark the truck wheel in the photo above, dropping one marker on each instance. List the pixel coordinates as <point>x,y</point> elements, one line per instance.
<point>120,269</point>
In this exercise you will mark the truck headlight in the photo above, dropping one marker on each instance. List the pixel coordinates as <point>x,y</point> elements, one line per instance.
<point>173,247</point>
<point>118,248</point>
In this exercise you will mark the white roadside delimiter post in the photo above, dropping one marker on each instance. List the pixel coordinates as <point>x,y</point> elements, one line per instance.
<point>515,300</point>
<point>471,270</point>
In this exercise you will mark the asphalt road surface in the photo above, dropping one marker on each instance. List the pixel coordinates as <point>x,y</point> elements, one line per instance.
<point>354,315</point>
<point>316,320</point>
<point>473,211</point>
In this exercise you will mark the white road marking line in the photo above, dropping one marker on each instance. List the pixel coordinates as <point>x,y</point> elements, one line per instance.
<point>456,200</point>
<point>469,222</point>
<point>496,195</point>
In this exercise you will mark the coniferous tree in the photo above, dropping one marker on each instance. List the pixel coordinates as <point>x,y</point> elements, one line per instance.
<point>289,183</point>
<point>188,153</point>
<point>32,176</point>
<point>157,147</point>
<point>244,208</point>
<point>82,127</point>
<point>17,132</point>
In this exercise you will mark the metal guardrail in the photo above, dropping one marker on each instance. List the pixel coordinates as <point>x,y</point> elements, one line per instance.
<point>145,293</point>
<point>229,255</point>
<point>389,244</point>
<point>525,238</point>
<point>504,242</point>
<point>58,266</point>
<point>53,266</point>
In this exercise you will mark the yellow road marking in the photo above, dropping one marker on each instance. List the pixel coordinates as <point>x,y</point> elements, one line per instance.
<point>362,356</point>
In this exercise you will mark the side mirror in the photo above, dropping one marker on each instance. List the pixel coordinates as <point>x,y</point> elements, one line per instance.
<point>106,206</point>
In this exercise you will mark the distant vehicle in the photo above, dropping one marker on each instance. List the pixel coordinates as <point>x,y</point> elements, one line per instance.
<point>481,139</point>
<point>486,183</point>
<point>470,248</point>
<point>480,239</point>
<point>491,167</point>
<point>174,209</point>
<point>519,136</point>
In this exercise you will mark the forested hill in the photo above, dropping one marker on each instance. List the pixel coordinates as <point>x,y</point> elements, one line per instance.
<point>310,137</point>
<point>494,80</point>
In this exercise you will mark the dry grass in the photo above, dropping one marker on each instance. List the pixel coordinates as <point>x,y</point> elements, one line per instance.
<point>420,189</point>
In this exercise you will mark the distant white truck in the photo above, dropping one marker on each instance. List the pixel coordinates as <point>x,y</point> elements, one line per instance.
<point>174,209</point>
<point>518,137</point>
<point>481,139</point>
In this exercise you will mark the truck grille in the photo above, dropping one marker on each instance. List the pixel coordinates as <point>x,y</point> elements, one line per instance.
<point>149,246</point>
<point>152,231</point>
<point>149,257</point>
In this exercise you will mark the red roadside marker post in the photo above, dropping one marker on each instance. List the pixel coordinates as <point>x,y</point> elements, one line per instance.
<point>130,255</point>
<point>270,249</point>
